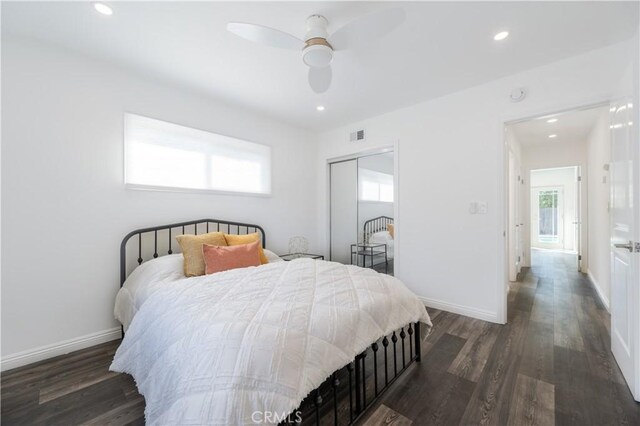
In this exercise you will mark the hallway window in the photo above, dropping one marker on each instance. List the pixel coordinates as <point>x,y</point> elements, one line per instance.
<point>548,216</point>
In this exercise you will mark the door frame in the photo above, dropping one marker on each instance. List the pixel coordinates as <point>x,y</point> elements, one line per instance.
<point>503,190</point>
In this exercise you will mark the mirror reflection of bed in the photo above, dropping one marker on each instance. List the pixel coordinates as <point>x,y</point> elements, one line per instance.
<point>378,238</point>
<point>362,211</point>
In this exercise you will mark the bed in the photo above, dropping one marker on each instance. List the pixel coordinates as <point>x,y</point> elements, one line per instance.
<point>300,340</point>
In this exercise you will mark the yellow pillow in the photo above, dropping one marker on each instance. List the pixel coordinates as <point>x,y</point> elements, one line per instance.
<point>192,250</point>
<point>235,240</point>
<point>391,229</point>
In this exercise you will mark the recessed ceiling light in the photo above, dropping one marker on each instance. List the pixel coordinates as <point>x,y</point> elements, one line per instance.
<point>552,120</point>
<point>320,108</point>
<point>103,8</point>
<point>501,35</point>
<point>552,136</point>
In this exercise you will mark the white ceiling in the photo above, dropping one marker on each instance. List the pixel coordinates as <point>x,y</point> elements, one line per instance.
<point>441,48</point>
<point>571,126</point>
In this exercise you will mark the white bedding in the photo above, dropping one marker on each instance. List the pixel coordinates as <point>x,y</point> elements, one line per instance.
<point>150,276</point>
<point>383,237</point>
<point>215,349</point>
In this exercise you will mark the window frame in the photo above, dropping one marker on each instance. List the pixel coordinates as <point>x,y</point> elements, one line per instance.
<point>178,189</point>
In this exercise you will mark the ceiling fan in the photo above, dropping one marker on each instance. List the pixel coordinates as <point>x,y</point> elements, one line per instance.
<point>318,46</point>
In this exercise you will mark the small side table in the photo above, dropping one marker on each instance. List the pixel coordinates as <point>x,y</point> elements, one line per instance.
<point>292,256</point>
<point>372,251</point>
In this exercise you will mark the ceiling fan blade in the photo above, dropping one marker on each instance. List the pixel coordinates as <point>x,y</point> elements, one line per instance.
<point>320,79</point>
<point>361,31</point>
<point>265,35</point>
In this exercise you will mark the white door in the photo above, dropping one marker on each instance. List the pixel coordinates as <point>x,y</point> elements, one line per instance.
<point>343,209</point>
<point>625,321</point>
<point>514,265</point>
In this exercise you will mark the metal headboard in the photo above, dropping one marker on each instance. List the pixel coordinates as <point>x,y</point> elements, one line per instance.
<point>374,225</point>
<point>150,235</point>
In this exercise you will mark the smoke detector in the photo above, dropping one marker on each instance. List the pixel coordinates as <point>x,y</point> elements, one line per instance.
<point>517,94</point>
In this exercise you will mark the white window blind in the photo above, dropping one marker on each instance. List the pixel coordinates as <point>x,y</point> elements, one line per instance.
<point>165,155</point>
<point>375,186</point>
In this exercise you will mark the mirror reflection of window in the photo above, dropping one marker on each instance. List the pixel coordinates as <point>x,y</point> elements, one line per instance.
<point>375,186</point>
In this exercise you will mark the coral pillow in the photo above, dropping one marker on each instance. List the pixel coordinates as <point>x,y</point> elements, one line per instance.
<point>221,258</point>
<point>391,229</point>
<point>234,240</point>
<point>191,246</point>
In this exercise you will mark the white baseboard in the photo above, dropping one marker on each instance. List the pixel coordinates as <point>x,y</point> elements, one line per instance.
<point>460,309</point>
<point>604,299</point>
<point>49,351</point>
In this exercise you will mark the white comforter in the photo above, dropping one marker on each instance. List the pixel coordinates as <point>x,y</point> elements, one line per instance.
<point>215,349</point>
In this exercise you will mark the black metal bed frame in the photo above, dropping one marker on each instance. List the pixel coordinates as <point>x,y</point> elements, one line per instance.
<point>374,225</point>
<point>396,359</point>
<point>184,227</point>
<point>325,398</point>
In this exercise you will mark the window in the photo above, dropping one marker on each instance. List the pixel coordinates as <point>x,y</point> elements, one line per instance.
<point>165,155</point>
<point>375,186</point>
<point>548,216</point>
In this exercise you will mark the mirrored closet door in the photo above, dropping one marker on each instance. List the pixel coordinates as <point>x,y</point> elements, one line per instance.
<point>362,225</point>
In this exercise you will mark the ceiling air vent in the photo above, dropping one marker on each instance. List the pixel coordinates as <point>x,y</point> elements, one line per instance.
<point>356,136</point>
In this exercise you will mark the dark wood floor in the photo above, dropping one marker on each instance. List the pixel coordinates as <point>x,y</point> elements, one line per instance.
<point>550,364</point>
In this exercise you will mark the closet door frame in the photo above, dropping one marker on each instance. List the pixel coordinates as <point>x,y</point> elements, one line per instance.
<point>394,148</point>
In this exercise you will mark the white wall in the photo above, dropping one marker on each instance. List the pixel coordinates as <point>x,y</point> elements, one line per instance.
<point>599,155</point>
<point>564,179</point>
<point>65,208</point>
<point>450,152</point>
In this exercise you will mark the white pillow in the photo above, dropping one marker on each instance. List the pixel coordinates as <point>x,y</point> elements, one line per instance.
<point>272,257</point>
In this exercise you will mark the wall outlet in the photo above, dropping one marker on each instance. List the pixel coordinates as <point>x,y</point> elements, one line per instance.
<point>482,207</point>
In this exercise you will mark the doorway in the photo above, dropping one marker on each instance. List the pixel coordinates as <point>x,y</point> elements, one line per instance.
<point>555,210</point>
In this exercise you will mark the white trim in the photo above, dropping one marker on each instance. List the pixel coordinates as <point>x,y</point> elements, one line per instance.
<point>61,348</point>
<point>461,309</point>
<point>604,299</point>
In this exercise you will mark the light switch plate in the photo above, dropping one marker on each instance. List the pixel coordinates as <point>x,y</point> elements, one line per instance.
<point>473,208</point>
<point>482,207</point>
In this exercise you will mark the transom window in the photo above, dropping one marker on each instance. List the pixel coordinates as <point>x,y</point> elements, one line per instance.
<point>162,155</point>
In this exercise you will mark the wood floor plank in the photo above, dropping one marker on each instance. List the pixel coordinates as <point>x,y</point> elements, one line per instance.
<point>121,415</point>
<point>533,403</point>
<point>471,360</point>
<point>584,399</point>
<point>430,384</point>
<point>597,344</point>
<point>440,326</point>
<point>384,415</point>
<point>465,327</point>
<point>490,401</point>
<point>566,328</point>
<point>537,355</point>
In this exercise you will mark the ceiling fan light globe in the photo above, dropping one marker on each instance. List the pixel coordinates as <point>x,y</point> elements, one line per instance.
<point>317,56</point>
